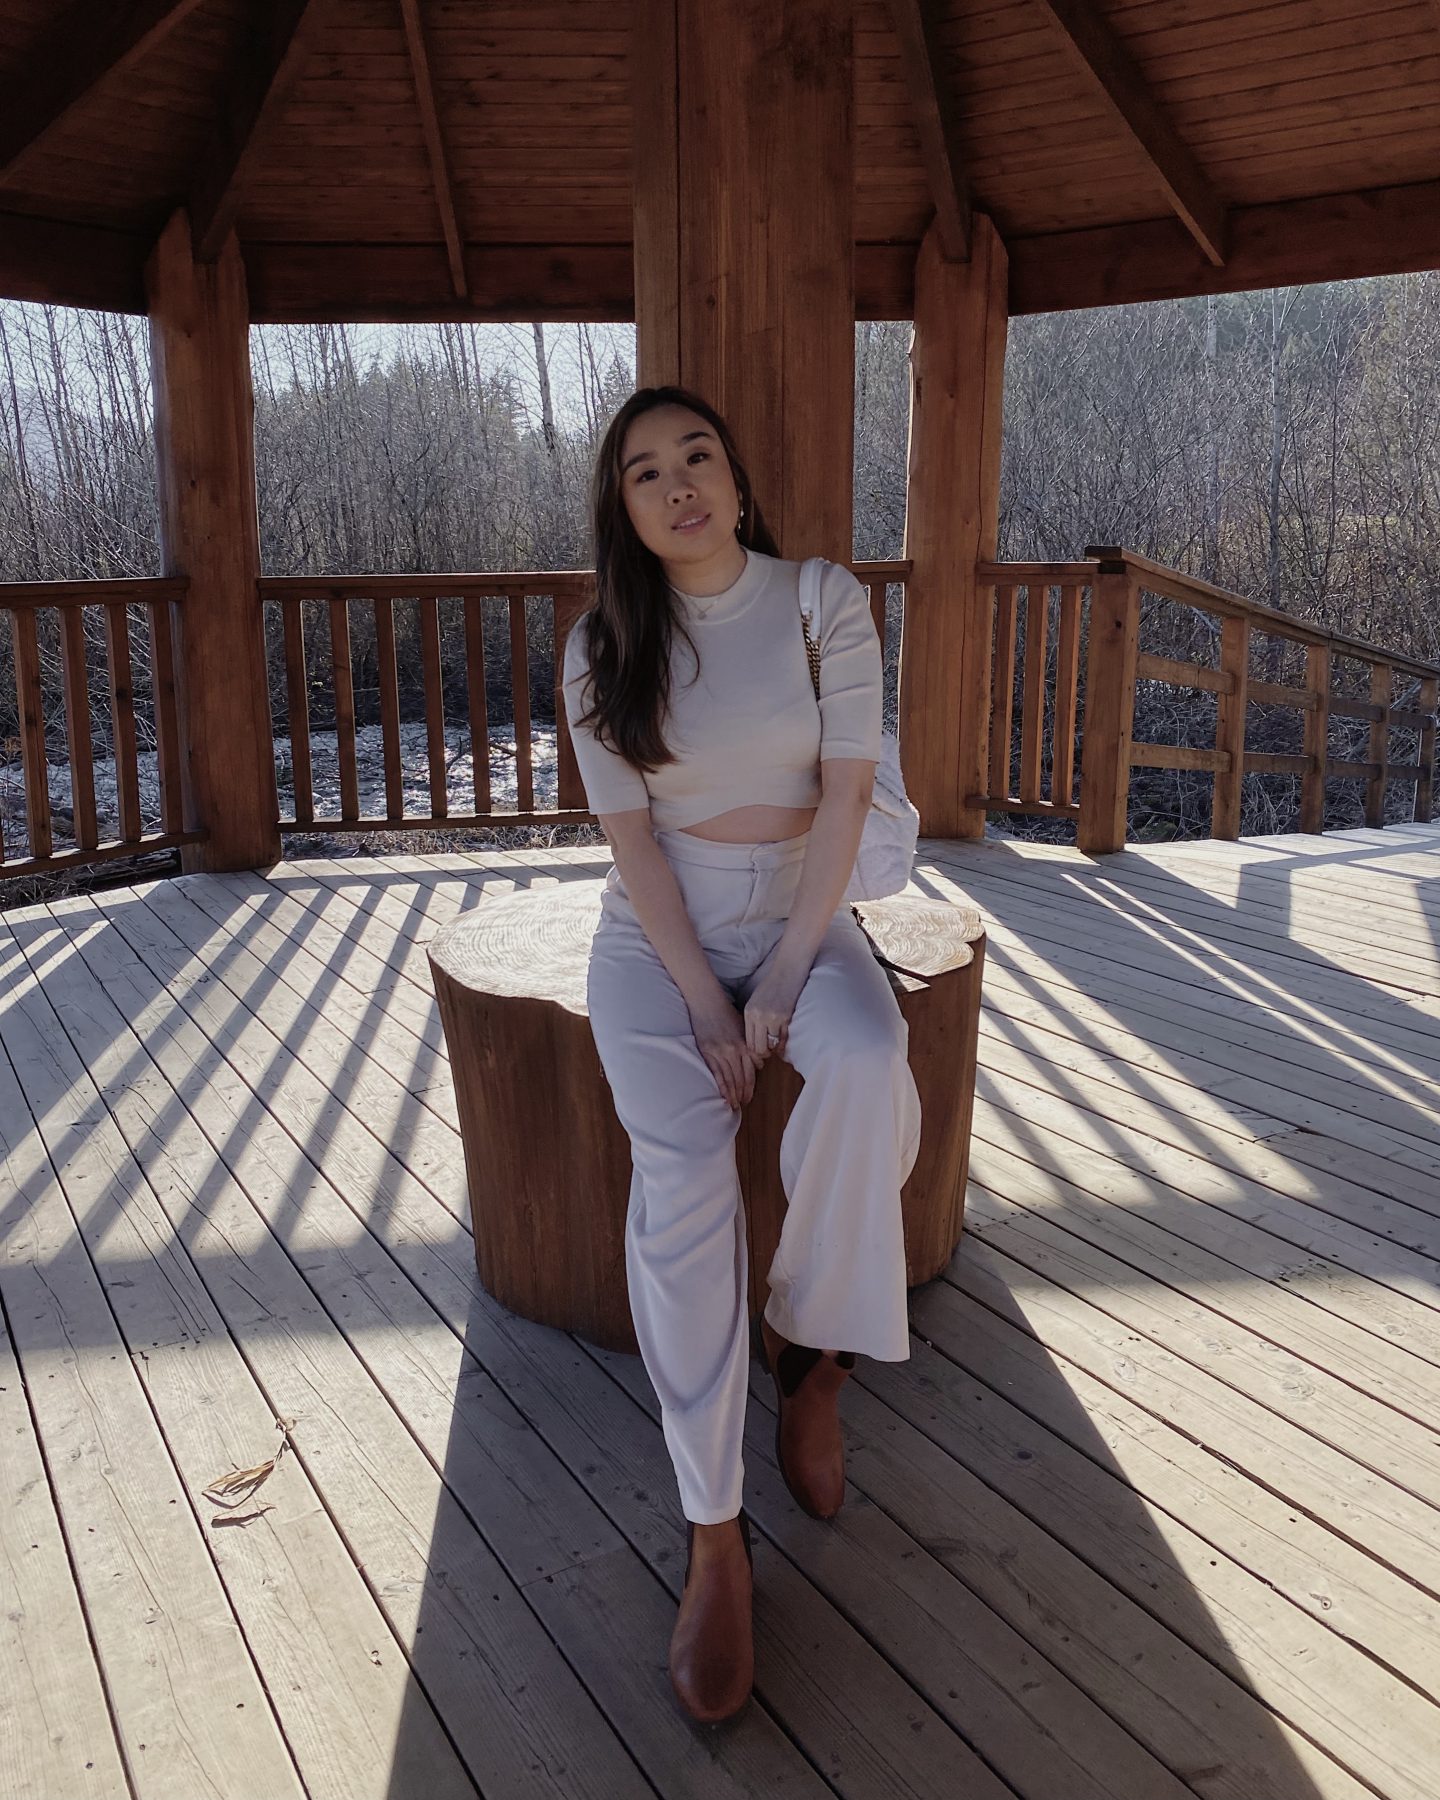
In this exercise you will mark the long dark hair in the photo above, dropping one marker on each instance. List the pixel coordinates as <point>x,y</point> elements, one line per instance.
<point>632,624</point>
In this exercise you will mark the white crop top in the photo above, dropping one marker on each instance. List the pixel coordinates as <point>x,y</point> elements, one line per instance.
<point>747,730</point>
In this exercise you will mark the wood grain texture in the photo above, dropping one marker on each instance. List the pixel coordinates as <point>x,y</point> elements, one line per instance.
<point>200,370</point>
<point>547,1160</point>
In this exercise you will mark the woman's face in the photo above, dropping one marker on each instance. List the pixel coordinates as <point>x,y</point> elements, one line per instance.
<point>678,490</point>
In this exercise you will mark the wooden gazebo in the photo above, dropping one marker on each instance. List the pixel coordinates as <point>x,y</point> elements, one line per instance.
<point>745,181</point>
<point>1153,1511</point>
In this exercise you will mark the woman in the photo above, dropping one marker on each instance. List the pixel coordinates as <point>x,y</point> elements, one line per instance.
<point>733,805</point>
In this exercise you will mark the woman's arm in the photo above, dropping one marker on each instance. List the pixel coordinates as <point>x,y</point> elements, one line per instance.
<point>660,907</point>
<point>846,784</point>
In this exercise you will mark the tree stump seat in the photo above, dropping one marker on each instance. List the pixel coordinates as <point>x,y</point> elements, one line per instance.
<point>547,1160</point>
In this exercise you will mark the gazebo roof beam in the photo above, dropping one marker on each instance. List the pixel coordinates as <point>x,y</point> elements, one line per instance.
<point>917,31</point>
<point>1099,51</point>
<point>268,61</point>
<point>434,142</point>
<point>76,51</point>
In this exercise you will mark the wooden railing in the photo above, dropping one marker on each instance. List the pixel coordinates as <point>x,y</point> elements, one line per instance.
<point>25,602</point>
<point>1115,580</point>
<point>559,596</point>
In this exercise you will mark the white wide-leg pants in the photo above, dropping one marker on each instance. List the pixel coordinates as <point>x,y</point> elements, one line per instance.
<point>838,1277</point>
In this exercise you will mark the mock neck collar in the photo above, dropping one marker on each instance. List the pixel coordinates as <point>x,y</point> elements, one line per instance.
<point>708,608</point>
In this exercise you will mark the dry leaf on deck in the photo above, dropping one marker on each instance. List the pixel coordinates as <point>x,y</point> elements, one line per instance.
<point>240,1485</point>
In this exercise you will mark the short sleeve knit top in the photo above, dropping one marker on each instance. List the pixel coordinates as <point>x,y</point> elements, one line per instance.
<point>745,729</point>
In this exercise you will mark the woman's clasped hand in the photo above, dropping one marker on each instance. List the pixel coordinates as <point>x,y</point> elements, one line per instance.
<point>734,1047</point>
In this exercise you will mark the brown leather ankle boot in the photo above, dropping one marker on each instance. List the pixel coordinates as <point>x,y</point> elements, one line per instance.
<point>712,1649</point>
<point>808,1444</point>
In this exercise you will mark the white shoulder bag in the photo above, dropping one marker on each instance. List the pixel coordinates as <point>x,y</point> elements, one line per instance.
<point>892,826</point>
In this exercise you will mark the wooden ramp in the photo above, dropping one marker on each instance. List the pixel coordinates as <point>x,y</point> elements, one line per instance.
<point>1153,1509</point>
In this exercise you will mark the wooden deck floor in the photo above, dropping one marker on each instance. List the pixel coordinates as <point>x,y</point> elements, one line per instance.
<point>1153,1509</point>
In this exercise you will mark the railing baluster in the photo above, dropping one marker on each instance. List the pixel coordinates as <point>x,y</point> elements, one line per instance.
<point>344,685</point>
<point>1231,710</point>
<point>168,766</point>
<point>569,789</point>
<point>31,702</point>
<point>1317,738</point>
<point>434,690</point>
<point>1381,694</point>
<point>520,699</point>
<point>389,678</point>
<point>1425,782</point>
<point>77,728</point>
<point>1032,716</point>
<point>1002,690</point>
<point>476,700</point>
<point>1067,685</point>
<point>122,716</point>
<point>297,701</point>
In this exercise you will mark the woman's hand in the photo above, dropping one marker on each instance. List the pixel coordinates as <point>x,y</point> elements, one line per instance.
<point>721,1036</point>
<point>770,1008</point>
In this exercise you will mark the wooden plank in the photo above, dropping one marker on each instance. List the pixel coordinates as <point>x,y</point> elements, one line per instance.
<point>122,718</point>
<point>1381,681</point>
<point>1184,1454</point>
<point>297,707</point>
<point>73,52</point>
<point>942,1474</point>
<point>477,709</point>
<point>343,689</point>
<point>30,701</point>
<point>316,1633</point>
<point>433,683</point>
<point>465,1612</point>
<point>55,1731</point>
<point>1067,678</point>
<point>1316,738</point>
<point>1181,674</point>
<point>1231,713</point>
<point>168,758</point>
<point>503,1476</point>
<point>388,682</point>
<point>1177,756</point>
<point>1032,729</point>
<point>1002,700</point>
<point>520,705</point>
<point>1425,785</point>
<point>76,692</point>
<point>189,1710</point>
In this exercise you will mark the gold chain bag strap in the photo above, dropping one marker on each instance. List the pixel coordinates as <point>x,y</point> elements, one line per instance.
<point>892,825</point>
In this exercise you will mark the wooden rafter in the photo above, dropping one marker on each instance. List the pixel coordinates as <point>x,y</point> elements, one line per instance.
<point>434,142</point>
<point>76,51</point>
<point>1101,54</point>
<point>917,32</point>
<point>274,47</point>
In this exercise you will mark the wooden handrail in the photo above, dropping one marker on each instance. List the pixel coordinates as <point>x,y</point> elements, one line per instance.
<point>24,601</point>
<point>1116,578</point>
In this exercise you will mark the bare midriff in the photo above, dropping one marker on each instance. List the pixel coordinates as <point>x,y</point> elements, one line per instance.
<point>753,824</point>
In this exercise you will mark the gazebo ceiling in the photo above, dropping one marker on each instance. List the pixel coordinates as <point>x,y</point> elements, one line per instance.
<point>455,158</point>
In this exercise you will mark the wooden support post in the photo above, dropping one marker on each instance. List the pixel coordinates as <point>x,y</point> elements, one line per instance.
<point>952,518</point>
<point>744,242</point>
<point>1381,694</point>
<point>1425,785</point>
<point>1230,727</point>
<point>200,365</point>
<point>1109,709</point>
<point>1317,738</point>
